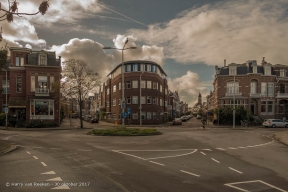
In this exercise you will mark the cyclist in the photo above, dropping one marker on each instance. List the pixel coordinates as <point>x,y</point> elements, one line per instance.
<point>203,120</point>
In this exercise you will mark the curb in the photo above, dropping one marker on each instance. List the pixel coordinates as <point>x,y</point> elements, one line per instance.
<point>279,140</point>
<point>10,149</point>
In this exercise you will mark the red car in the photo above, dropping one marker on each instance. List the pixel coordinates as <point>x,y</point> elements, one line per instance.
<point>177,121</point>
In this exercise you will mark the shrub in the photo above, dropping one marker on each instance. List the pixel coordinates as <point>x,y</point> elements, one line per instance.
<point>2,118</point>
<point>123,131</point>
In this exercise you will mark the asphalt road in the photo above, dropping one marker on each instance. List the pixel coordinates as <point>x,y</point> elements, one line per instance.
<point>184,158</point>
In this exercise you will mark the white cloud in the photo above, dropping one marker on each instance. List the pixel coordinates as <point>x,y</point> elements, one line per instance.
<point>144,52</point>
<point>188,87</point>
<point>89,51</point>
<point>237,30</point>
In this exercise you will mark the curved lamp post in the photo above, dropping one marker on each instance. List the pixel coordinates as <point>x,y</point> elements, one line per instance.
<point>6,108</point>
<point>122,71</point>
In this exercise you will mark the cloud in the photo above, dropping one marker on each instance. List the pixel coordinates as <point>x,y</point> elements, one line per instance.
<point>89,51</point>
<point>144,52</point>
<point>188,87</point>
<point>233,30</point>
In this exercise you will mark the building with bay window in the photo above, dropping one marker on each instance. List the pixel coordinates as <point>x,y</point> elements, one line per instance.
<point>261,89</point>
<point>32,79</point>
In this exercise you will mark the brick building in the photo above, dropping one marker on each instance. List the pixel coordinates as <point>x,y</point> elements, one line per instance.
<point>31,94</point>
<point>154,97</point>
<point>261,89</point>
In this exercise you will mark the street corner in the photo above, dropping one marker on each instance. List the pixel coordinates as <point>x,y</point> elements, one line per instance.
<point>282,137</point>
<point>6,147</point>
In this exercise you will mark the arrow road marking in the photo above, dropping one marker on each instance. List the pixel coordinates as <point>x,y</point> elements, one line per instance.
<point>55,179</point>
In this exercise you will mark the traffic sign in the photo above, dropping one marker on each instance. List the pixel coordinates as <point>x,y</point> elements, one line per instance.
<point>70,111</point>
<point>124,115</point>
<point>123,106</point>
<point>128,110</point>
<point>6,109</point>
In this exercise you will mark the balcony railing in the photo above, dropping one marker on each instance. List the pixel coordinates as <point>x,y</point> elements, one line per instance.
<point>41,92</point>
<point>282,95</point>
<point>232,94</point>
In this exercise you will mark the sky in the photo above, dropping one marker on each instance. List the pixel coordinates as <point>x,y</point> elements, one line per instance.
<point>187,38</point>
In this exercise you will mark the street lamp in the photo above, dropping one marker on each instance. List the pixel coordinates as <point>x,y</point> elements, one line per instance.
<point>123,99</point>
<point>6,108</point>
<point>234,100</point>
<point>140,108</point>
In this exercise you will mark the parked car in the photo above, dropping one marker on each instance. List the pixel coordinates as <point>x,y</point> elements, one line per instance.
<point>198,117</point>
<point>177,121</point>
<point>87,117</point>
<point>184,118</point>
<point>275,123</point>
<point>94,120</point>
<point>74,115</point>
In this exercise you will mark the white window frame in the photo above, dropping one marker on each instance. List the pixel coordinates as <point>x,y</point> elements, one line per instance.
<point>143,84</point>
<point>232,71</point>
<point>149,116</point>
<point>42,59</point>
<point>134,99</point>
<point>282,73</point>
<point>255,69</point>
<point>114,102</point>
<point>135,67</point>
<point>264,88</point>
<point>267,70</point>
<point>135,115</point>
<point>128,68</point>
<point>148,67</point>
<point>149,100</point>
<point>19,83</point>
<point>161,89</point>
<point>128,100</point>
<point>230,87</point>
<point>128,84</point>
<point>253,87</point>
<point>114,88</point>
<point>120,86</point>
<point>108,91</point>
<point>149,84</point>
<point>143,100</point>
<point>270,88</point>
<point>135,84</point>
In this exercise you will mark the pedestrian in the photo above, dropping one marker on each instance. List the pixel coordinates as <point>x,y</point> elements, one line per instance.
<point>284,119</point>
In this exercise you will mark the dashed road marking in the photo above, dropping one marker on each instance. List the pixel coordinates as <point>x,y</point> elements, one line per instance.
<point>190,173</point>
<point>43,164</point>
<point>157,163</point>
<point>235,170</point>
<point>231,148</point>
<point>35,157</point>
<point>241,147</point>
<point>215,160</point>
<point>49,173</point>
<point>203,153</point>
<point>221,149</point>
<point>28,152</point>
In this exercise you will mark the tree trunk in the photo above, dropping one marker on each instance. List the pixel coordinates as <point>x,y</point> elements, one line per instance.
<point>81,119</point>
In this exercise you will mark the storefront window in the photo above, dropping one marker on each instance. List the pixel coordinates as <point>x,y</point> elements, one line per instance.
<point>41,107</point>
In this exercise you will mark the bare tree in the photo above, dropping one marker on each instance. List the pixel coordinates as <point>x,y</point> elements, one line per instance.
<point>78,80</point>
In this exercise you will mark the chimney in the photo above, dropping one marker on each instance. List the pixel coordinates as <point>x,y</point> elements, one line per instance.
<point>224,62</point>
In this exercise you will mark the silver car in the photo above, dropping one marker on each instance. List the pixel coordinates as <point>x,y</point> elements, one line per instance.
<point>275,123</point>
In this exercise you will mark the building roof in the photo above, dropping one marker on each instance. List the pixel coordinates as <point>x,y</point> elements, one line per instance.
<point>243,69</point>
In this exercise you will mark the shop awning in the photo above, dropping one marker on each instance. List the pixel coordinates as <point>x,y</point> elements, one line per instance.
<point>16,102</point>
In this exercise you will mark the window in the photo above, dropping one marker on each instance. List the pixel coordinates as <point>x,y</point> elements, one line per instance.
<point>267,106</point>
<point>267,70</point>
<point>42,108</point>
<point>51,83</point>
<point>134,84</point>
<point>154,115</point>
<point>149,100</point>
<point>128,100</point>
<point>154,100</point>
<point>134,115</point>
<point>107,103</point>
<point>142,67</point>
<point>128,84</point>
<point>232,71</point>
<point>135,67</point>
<point>149,115</point>
<point>263,106</point>
<point>230,87</point>
<point>154,68</point>
<point>119,86</point>
<point>42,60</point>
<point>161,88</point>
<point>4,88</point>
<point>157,85</point>
<point>270,89</point>
<point>263,88</point>
<point>255,69</point>
<point>148,67</point>
<point>42,82</point>
<point>143,115</point>
<point>161,104</point>
<point>270,107</point>
<point>114,88</point>
<point>253,87</point>
<point>154,85</point>
<point>18,84</point>
<point>108,91</point>
<point>114,102</point>
<point>282,73</point>
<point>143,100</point>
<point>143,84</point>
<point>119,101</point>
<point>19,61</point>
<point>149,86</point>
<point>135,100</point>
<point>128,68</point>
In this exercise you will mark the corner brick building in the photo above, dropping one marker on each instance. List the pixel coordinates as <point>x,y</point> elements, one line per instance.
<point>31,94</point>
<point>154,96</point>
<point>261,89</point>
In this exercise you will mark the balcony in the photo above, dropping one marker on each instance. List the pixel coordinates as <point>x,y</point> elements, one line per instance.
<point>41,92</point>
<point>255,95</point>
<point>232,94</point>
<point>282,95</point>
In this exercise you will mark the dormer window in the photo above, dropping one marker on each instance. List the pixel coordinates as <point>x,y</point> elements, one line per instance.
<point>282,73</point>
<point>267,70</point>
<point>19,61</point>
<point>42,59</point>
<point>255,69</point>
<point>232,71</point>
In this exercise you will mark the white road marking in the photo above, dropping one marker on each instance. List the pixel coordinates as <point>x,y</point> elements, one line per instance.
<point>207,149</point>
<point>37,147</point>
<point>35,157</point>
<point>129,155</point>
<point>242,147</point>
<point>55,179</point>
<point>235,170</point>
<point>231,148</point>
<point>43,164</point>
<point>57,148</point>
<point>49,173</point>
<point>253,146</point>
<point>158,150</point>
<point>83,150</point>
<point>28,152</point>
<point>173,155</point>
<point>221,149</point>
<point>203,153</point>
<point>215,160</point>
<point>255,181</point>
<point>157,163</point>
<point>62,187</point>
<point>190,173</point>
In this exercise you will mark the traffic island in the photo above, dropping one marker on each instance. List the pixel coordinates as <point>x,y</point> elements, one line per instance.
<point>124,131</point>
<point>282,137</point>
<point>6,148</point>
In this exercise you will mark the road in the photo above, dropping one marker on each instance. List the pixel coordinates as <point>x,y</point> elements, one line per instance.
<point>183,158</point>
